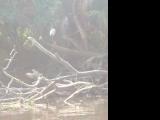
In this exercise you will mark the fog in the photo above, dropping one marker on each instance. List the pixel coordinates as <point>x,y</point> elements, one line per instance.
<point>53,59</point>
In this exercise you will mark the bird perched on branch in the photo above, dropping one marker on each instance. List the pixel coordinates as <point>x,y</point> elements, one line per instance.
<point>52,34</point>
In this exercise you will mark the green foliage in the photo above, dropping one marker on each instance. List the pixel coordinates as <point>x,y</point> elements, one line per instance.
<point>24,32</point>
<point>35,17</point>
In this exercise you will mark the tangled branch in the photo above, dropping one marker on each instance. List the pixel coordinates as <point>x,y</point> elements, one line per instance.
<point>32,92</point>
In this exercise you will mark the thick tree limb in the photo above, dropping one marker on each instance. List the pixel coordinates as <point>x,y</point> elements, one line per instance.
<point>53,56</point>
<point>71,52</point>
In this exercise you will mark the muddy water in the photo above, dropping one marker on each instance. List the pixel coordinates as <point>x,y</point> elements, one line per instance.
<point>91,112</point>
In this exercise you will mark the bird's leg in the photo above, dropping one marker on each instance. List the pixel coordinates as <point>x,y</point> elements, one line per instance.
<point>53,40</point>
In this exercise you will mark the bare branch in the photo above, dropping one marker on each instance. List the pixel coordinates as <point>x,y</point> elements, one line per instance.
<point>76,92</point>
<point>72,84</point>
<point>9,84</point>
<point>45,95</point>
<point>34,93</point>
<point>53,56</point>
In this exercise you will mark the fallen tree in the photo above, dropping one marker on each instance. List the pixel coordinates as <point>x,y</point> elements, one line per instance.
<point>42,86</point>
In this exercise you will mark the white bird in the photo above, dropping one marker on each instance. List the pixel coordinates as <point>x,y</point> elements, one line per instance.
<point>52,33</point>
